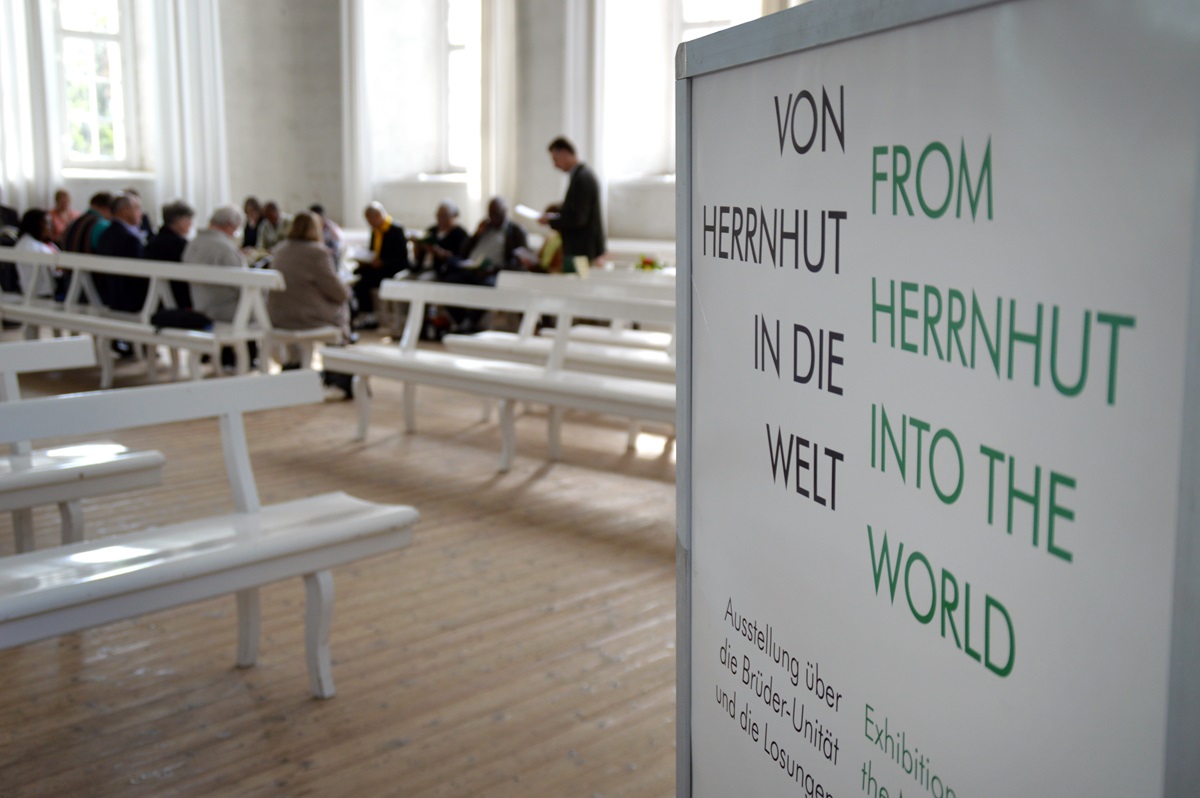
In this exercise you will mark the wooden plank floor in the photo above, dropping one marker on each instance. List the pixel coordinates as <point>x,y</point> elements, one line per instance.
<point>523,645</point>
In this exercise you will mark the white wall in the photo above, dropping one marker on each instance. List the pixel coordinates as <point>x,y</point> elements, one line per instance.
<point>541,93</point>
<point>282,64</point>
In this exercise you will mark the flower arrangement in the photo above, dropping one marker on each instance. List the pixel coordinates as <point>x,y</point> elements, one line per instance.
<point>649,263</point>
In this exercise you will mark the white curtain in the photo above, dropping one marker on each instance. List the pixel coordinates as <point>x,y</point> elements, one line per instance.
<point>499,122</point>
<point>182,106</point>
<point>192,160</point>
<point>30,161</point>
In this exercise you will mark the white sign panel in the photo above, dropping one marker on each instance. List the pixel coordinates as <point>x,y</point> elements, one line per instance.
<point>940,282</point>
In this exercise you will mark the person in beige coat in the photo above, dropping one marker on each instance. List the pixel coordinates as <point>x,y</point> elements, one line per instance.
<point>315,296</point>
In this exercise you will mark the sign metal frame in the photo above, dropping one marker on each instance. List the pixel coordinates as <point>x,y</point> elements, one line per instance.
<point>826,22</point>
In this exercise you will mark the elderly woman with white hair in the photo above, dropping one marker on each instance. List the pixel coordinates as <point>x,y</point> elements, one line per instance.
<point>217,245</point>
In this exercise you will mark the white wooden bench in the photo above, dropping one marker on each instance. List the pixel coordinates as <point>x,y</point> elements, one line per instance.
<point>63,475</point>
<point>546,383</point>
<point>582,353</point>
<point>82,311</point>
<point>65,589</point>
<point>618,332</point>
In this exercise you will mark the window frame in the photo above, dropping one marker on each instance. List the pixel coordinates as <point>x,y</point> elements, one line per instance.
<point>445,116</point>
<point>130,127</point>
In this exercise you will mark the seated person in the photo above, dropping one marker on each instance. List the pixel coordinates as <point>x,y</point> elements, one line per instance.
<point>83,233</point>
<point>253,210</point>
<point>549,259</point>
<point>123,239</point>
<point>496,245</point>
<point>62,215</point>
<point>273,227</point>
<point>143,223</point>
<point>315,296</point>
<point>389,248</point>
<point>443,241</point>
<point>169,244</point>
<point>216,245</point>
<point>331,234</point>
<point>36,235</point>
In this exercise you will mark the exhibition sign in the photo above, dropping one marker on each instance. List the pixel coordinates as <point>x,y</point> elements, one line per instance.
<point>936,492</point>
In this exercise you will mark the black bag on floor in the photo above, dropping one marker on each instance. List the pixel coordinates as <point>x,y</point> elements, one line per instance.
<point>180,319</point>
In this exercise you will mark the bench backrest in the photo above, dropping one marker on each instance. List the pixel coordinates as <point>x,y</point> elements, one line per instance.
<point>23,357</point>
<point>124,408</point>
<point>634,277</point>
<point>573,286</point>
<point>252,283</point>
<point>564,308</point>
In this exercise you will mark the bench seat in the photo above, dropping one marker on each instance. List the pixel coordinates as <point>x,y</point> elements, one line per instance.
<point>64,589</point>
<point>67,473</point>
<point>502,379</point>
<point>581,355</point>
<point>612,336</point>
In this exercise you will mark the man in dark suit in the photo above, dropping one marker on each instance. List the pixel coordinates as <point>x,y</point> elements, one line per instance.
<point>123,239</point>
<point>81,234</point>
<point>579,219</point>
<point>389,246</point>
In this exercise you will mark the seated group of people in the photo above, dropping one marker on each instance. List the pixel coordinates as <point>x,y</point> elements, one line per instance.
<point>305,247</point>
<point>115,225</point>
<point>447,253</point>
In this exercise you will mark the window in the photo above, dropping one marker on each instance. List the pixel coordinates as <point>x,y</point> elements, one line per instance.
<point>422,86</point>
<point>96,80</point>
<point>698,18</point>
<point>461,131</point>
<point>638,117</point>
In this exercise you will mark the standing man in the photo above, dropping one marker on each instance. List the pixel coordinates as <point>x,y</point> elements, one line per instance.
<point>579,219</point>
<point>389,248</point>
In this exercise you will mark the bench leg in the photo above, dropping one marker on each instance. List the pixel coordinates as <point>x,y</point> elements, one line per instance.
<point>508,433</point>
<point>242,358</point>
<point>72,521</point>
<point>196,368</point>
<point>360,387</point>
<point>410,407</point>
<point>104,357</point>
<point>319,597</point>
<point>150,355</point>
<point>304,354</point>
<point>635,429</point>
<point>555,433</point>
<point>23,529</point>
<point>248,624</point>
